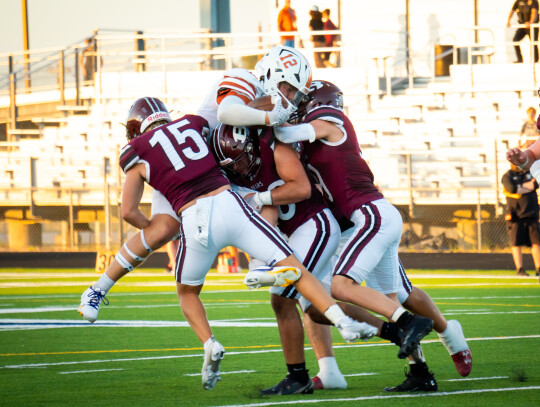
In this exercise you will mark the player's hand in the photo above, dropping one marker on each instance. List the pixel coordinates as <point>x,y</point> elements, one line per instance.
<point>279,114</point>
<point>516,156</point>
<point>254,201</point>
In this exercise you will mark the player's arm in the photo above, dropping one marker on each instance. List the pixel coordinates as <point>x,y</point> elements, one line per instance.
<point>131,197</point>
<point>316,129</point>
<point>236,109</point>
<point>290,169</point>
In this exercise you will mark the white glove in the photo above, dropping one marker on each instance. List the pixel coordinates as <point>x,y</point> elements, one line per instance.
<point>259,199</point>
<point>279,114</point>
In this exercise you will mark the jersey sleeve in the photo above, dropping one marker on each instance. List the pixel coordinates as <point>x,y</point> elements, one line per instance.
<point>327,113</point>
<point>128,157</point>
<point>231,85</point>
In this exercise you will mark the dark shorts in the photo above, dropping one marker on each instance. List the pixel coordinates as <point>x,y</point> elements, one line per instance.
<point>524,232</point>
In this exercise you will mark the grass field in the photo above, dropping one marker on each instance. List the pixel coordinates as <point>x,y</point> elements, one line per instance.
<point>142,353</point>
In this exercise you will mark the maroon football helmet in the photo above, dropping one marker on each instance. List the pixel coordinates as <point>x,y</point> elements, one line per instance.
<point>142,114</point>
<point>236,151</point>
<point>321,93</point>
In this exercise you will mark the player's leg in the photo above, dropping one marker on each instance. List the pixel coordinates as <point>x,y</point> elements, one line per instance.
<point>375,240</point>
<point>260,240</point>
<point>162,228</point>
<point>196,253</point>
<point>450,332</point>
<point>315,243</point>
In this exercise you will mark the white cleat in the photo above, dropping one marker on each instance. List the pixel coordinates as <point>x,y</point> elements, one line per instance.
<point>352,330</point>
<point>213,354</point>
<point>90,301</point>
<point>266,276</point>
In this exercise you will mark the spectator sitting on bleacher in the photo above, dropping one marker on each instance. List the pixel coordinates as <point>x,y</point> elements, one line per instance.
<point>529,131</point>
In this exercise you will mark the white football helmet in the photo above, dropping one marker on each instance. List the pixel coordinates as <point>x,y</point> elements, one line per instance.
<point>284,64</point>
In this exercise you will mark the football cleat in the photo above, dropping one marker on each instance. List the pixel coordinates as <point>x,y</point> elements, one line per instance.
<point>213,354</point>
<point>289,386</point>
<point>454,341</point>
<point>463,362</point>
<point>415,383</point>
<point>521,272</point>
<point>90,301</point>
<point>352,330</point>
<point>331,381</point>
<point>416,329</point>
<point>266,276</point>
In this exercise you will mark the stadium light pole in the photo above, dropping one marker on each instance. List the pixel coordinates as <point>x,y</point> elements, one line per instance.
<point>26,41</point>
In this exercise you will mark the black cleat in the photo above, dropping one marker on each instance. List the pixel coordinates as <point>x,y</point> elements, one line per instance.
<point>415,383</point>
<point>416,329</point>
<point>289,386</point>
<point>522,273</point>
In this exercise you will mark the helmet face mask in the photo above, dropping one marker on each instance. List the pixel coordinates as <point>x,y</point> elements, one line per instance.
<point>321,93</point>
<point>284,64</point>
<point>236,151</point>
<point>142,114</point>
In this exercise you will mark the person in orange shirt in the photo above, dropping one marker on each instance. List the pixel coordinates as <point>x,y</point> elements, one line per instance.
<point>287,22</point>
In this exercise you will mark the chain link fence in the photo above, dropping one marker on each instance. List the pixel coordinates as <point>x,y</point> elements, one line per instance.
<point>88,219</point>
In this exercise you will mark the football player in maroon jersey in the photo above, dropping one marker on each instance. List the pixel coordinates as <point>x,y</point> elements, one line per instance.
<point>173,157</point>
<point>333,132</point>
<point>257,163</point>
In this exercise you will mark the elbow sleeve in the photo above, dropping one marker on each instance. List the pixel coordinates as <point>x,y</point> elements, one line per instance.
<point>292,134</point>
<point>238,114</point>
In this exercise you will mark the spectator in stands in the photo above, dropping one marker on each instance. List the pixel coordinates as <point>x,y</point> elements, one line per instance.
<point>88,59</point>
<point>529,131</point>
<point>329,39</point>
<point>527,12</point>
<point>287,23</point>
<point>522,216</point>
<point>316,24</point>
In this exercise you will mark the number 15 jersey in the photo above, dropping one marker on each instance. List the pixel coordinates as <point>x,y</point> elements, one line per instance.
<point>177,159</point>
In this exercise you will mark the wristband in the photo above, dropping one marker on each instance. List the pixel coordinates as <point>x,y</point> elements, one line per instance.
<point>266,197</point>
<point>525,163</point>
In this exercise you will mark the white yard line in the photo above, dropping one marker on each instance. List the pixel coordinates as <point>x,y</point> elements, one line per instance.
<point>476,378</point>
<point>235,372</point>
<point>371,398</point>
<point>231,353</point>
<point>89,371</point>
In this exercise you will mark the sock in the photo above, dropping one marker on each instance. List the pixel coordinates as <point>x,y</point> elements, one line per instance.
<point>254,263</point>
<point>327,364</point>
<point>298,372</point>
<point>397,313</point>
<point>390,332</point>
<point>104,283</point>
<point>419,368</point>
<point>404,319</point>
<point>334,313</point>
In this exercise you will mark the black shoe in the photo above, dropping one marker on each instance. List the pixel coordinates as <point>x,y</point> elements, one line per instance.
<point>415,383</point>
<point>416,329</point>
<point>537,272</point>
<point>289,386</point>
<point>522,272</point>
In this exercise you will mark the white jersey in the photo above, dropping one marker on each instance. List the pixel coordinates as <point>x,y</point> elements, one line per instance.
<point>237,81</point>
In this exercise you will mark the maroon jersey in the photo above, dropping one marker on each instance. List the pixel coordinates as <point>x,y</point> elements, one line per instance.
<point>290,216</point>
<point>178,161</point>
<point>343,174</point>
